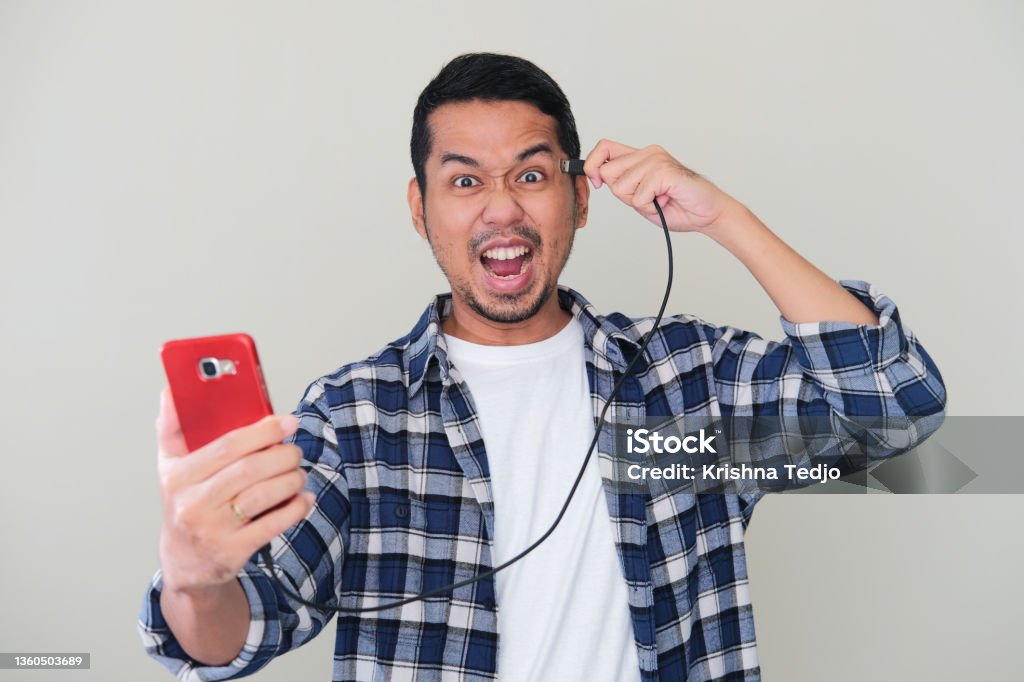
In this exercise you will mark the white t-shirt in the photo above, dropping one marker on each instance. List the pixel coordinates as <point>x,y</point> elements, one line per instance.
<point>563,610</point>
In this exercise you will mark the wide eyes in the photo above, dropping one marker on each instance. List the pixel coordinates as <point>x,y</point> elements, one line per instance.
<point>527,177</point>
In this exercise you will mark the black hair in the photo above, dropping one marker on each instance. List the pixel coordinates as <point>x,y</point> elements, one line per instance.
<point>490,77</point>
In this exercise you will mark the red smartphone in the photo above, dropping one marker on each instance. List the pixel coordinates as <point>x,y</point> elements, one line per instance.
<point>216,383</point>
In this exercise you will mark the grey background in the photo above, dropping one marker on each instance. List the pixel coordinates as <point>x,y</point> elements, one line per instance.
<point>189,168</point>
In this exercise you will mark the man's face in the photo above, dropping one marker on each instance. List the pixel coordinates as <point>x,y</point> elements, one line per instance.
<point>499,214</point>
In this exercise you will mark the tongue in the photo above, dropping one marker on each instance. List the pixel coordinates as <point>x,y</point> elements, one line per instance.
<point>504,268</point>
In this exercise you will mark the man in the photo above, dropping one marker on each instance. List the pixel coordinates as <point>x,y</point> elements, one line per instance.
<point>401,494</point>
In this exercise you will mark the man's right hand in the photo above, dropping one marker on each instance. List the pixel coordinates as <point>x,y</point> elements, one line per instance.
<point>203,542</point>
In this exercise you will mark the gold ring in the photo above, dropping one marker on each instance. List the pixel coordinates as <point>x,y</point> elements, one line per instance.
<point>238,512</point>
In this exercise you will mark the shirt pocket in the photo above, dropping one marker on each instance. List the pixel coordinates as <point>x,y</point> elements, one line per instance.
<point>399,547</point>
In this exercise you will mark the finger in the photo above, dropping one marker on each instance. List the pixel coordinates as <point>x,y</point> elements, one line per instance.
<point>271,492</point>
<point>624,180</point>
<point>603,152</point>
<point>237,443</point>
<point>611,171</point>
<point>242,474</point>
<point>635,165</point>
<point>170,439</point>
<point>649,188</point>
<point>258,532</point>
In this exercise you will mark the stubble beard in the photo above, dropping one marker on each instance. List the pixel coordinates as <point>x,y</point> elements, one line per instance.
<point>508,308</point>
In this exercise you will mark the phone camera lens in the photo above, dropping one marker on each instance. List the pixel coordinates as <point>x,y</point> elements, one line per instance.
<point>209,367</point>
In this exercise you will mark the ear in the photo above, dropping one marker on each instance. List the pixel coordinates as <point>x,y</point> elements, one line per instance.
<point>415,198</point>
<point>582,200</point>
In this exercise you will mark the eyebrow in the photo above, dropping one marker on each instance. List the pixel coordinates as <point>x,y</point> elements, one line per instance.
<point>452,157</point>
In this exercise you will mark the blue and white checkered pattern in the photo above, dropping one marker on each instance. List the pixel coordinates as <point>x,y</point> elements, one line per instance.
<point>396,458</point>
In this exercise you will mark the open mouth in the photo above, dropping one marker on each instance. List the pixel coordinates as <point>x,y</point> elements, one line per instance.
<point>506,262</point>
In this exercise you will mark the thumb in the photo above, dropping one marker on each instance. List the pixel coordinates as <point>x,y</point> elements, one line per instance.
<point>170,439</point>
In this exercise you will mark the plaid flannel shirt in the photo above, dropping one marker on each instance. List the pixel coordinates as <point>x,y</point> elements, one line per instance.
<point>395,456</point>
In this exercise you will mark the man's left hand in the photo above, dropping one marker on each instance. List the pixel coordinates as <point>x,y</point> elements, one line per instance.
<point>690,202</point>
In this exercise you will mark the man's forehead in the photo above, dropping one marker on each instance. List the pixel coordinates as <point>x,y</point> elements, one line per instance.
<point>503,129</point>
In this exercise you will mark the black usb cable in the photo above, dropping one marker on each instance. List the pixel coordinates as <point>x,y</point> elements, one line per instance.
<point>573,167</point>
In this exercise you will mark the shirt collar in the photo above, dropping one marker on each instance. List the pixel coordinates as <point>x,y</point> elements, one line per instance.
<point>427,351</point>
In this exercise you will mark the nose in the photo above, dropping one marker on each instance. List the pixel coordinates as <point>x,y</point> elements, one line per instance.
<point>502,208</point>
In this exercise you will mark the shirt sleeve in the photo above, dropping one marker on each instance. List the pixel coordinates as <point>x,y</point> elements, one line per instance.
<point>309,555</point>
<point>835,370</point>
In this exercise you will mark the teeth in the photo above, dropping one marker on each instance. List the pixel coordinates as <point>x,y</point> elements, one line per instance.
<point>506,253</point>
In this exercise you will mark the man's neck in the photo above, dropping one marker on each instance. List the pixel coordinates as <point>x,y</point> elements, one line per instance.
<point>468,325</point>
